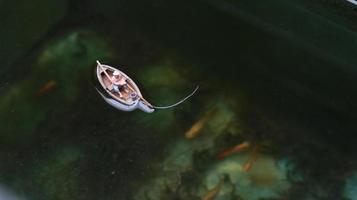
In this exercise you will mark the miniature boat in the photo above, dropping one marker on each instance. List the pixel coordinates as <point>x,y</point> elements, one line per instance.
<point>129,97</point>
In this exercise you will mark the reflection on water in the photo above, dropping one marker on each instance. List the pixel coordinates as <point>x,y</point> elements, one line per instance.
<point>270,120</point>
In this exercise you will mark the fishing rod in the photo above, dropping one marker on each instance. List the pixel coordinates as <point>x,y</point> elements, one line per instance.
<point>177,103</point>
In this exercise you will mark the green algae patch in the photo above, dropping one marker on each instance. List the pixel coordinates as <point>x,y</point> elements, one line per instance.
<point>190,168</point>
<point>19,114</point>
<point>165,74</point>
<point>58,177</point>
<point>67,62</point>
<point>163,84</point>
<point>266,179</point>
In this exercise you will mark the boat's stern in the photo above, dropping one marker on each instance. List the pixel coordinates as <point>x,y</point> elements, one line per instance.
<point>144,107</point>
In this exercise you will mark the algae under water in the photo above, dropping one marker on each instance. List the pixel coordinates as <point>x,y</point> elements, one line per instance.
<point>279,77</point>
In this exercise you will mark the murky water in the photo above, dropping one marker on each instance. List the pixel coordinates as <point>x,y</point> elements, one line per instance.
<point>273,118</point>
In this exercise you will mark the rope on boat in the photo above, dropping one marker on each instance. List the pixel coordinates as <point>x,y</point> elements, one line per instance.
<point>179,102</point>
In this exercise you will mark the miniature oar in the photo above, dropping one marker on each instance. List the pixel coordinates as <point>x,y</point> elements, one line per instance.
<point>105,72</point>
<point>179,102</point>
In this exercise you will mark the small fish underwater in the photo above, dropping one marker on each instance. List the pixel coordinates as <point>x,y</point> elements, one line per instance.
<point>121,92</point>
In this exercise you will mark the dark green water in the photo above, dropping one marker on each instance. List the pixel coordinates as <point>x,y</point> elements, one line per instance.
<point>280,75</point>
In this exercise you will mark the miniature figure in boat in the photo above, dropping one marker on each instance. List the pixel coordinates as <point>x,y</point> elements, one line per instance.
<point>119,82</point>
<point>121,92</point>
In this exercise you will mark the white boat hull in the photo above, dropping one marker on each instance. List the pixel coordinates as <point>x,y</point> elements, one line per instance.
<point>120,105</point>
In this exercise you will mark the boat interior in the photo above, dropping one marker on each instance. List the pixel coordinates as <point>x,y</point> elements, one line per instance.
<point>127,92</point>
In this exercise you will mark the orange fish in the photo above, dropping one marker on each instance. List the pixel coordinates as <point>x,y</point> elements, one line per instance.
<point>47,87</point>
<point>196,128</point>
<point>212,193</point>
<point>249,164</point>
<point>238,148</point>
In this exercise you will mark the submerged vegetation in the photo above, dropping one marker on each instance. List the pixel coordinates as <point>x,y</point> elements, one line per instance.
<point>254,130</point>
